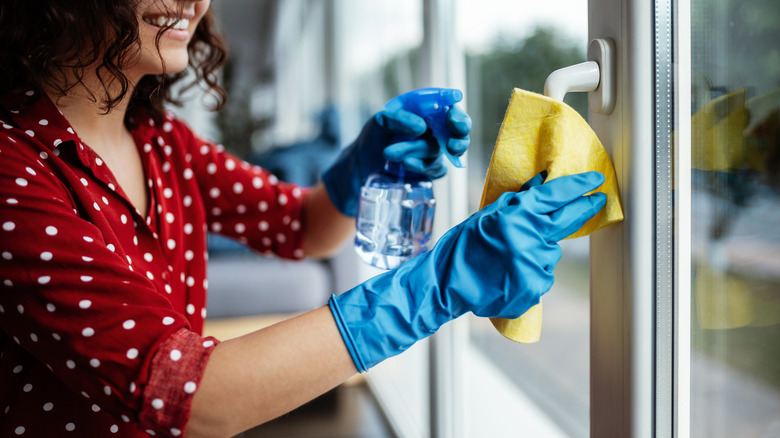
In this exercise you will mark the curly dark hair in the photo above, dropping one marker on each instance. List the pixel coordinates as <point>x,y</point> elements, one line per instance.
<point>48,42</point>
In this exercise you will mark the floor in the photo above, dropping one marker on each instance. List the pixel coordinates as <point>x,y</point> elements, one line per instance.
<point>348,411</point>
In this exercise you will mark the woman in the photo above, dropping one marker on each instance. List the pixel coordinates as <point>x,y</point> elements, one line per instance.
<point>106,200</point>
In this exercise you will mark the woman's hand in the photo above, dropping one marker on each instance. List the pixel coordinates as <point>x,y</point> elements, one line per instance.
<point>400,135</point>
<point>497,263</point>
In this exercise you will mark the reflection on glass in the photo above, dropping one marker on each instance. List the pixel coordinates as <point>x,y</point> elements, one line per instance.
<point>735,375</point>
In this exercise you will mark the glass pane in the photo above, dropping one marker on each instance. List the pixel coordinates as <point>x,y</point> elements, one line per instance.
<point>735,375</point>
<point>378,46</point>
<point>508,45</point>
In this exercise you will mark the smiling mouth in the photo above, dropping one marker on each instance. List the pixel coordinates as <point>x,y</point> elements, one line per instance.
<point>168,22</point>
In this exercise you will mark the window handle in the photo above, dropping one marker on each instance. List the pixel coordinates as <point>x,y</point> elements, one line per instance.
<point>596,76</point>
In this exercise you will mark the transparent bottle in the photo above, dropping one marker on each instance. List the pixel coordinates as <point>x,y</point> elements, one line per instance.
<point>395,216</point>
<point>395,213</point>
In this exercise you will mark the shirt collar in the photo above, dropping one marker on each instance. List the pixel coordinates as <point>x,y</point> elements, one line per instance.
<point>34,113</point>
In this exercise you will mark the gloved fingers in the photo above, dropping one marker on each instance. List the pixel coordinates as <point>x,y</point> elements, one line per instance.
<point>458,122</point>
<point>572,216</point>
<point>554,194</point>
<point>505,199</point>
<point>535,181</point>
<point>433,169</point>
<point>424,149</point>
<point>402,122</point>
<point>457,146</point>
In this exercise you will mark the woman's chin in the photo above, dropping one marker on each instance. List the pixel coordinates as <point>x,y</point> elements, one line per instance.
<point>173,64</point>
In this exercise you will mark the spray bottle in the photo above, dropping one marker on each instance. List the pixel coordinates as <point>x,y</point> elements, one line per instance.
<point>396,209</point>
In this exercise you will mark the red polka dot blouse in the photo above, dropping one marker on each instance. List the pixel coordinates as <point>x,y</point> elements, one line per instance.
<point>101,308</point>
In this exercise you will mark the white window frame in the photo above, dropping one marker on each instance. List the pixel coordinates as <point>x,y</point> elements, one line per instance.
<point>640,269</point>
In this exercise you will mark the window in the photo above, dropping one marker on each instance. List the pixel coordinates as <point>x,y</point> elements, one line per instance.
<point>735,205</point>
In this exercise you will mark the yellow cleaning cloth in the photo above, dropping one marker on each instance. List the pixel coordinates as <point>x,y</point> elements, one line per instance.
<point>717,129</point>
<point>727,300</point>
<point>540,133</point>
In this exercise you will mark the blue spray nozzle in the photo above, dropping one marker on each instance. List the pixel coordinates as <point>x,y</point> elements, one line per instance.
<point>432,105</point>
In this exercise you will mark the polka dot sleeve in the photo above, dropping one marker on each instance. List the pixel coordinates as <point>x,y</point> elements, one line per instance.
<point>168,399</point>
<point>242,201</point>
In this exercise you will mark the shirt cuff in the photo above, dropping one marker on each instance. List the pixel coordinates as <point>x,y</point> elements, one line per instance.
<point>176,370</point>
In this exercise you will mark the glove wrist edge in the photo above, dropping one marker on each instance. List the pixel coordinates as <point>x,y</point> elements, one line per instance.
<point>345,335</point>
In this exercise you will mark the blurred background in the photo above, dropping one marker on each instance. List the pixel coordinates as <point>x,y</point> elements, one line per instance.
<point>303,77</point>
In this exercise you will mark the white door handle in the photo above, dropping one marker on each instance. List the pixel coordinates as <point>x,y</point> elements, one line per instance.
<point>579,77</point>
<point>596,76</point>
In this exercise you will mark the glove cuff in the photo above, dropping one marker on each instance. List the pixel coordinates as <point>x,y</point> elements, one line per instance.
<point>342,190</point>
<point>345,335</point>
<point>384,316</point>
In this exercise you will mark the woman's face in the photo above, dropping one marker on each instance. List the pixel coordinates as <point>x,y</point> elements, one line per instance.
<point>154,15</point>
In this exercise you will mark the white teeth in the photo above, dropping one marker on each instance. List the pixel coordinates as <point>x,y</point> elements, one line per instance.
<point>182,24</point>
<point>178,24</point>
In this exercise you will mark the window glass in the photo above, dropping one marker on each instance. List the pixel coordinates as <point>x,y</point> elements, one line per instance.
<point>378,47</point>
<point>510,44</point>
<point>735,360</point>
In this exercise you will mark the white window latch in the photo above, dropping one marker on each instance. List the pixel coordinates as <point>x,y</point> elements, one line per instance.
<point>596,76</point>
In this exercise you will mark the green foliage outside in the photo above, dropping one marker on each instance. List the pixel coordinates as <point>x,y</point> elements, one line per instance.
<point>491,76</point>
<point>524,64</point>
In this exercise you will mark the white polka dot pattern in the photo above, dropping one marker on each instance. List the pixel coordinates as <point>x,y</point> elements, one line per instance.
<point>82,238</point>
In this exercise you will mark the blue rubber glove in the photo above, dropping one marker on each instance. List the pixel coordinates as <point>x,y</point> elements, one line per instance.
<point>496,263</point>
<point>378,142</point>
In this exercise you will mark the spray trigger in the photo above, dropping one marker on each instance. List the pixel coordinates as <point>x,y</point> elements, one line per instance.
<point>432,105</point>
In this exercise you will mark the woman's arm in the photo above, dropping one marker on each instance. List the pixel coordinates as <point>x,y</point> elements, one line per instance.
<point>325,227</point>
<point>257,377</point>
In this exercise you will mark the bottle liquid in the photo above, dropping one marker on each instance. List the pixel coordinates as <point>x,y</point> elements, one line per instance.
<point>396,209</point>
<point>395,216</point>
